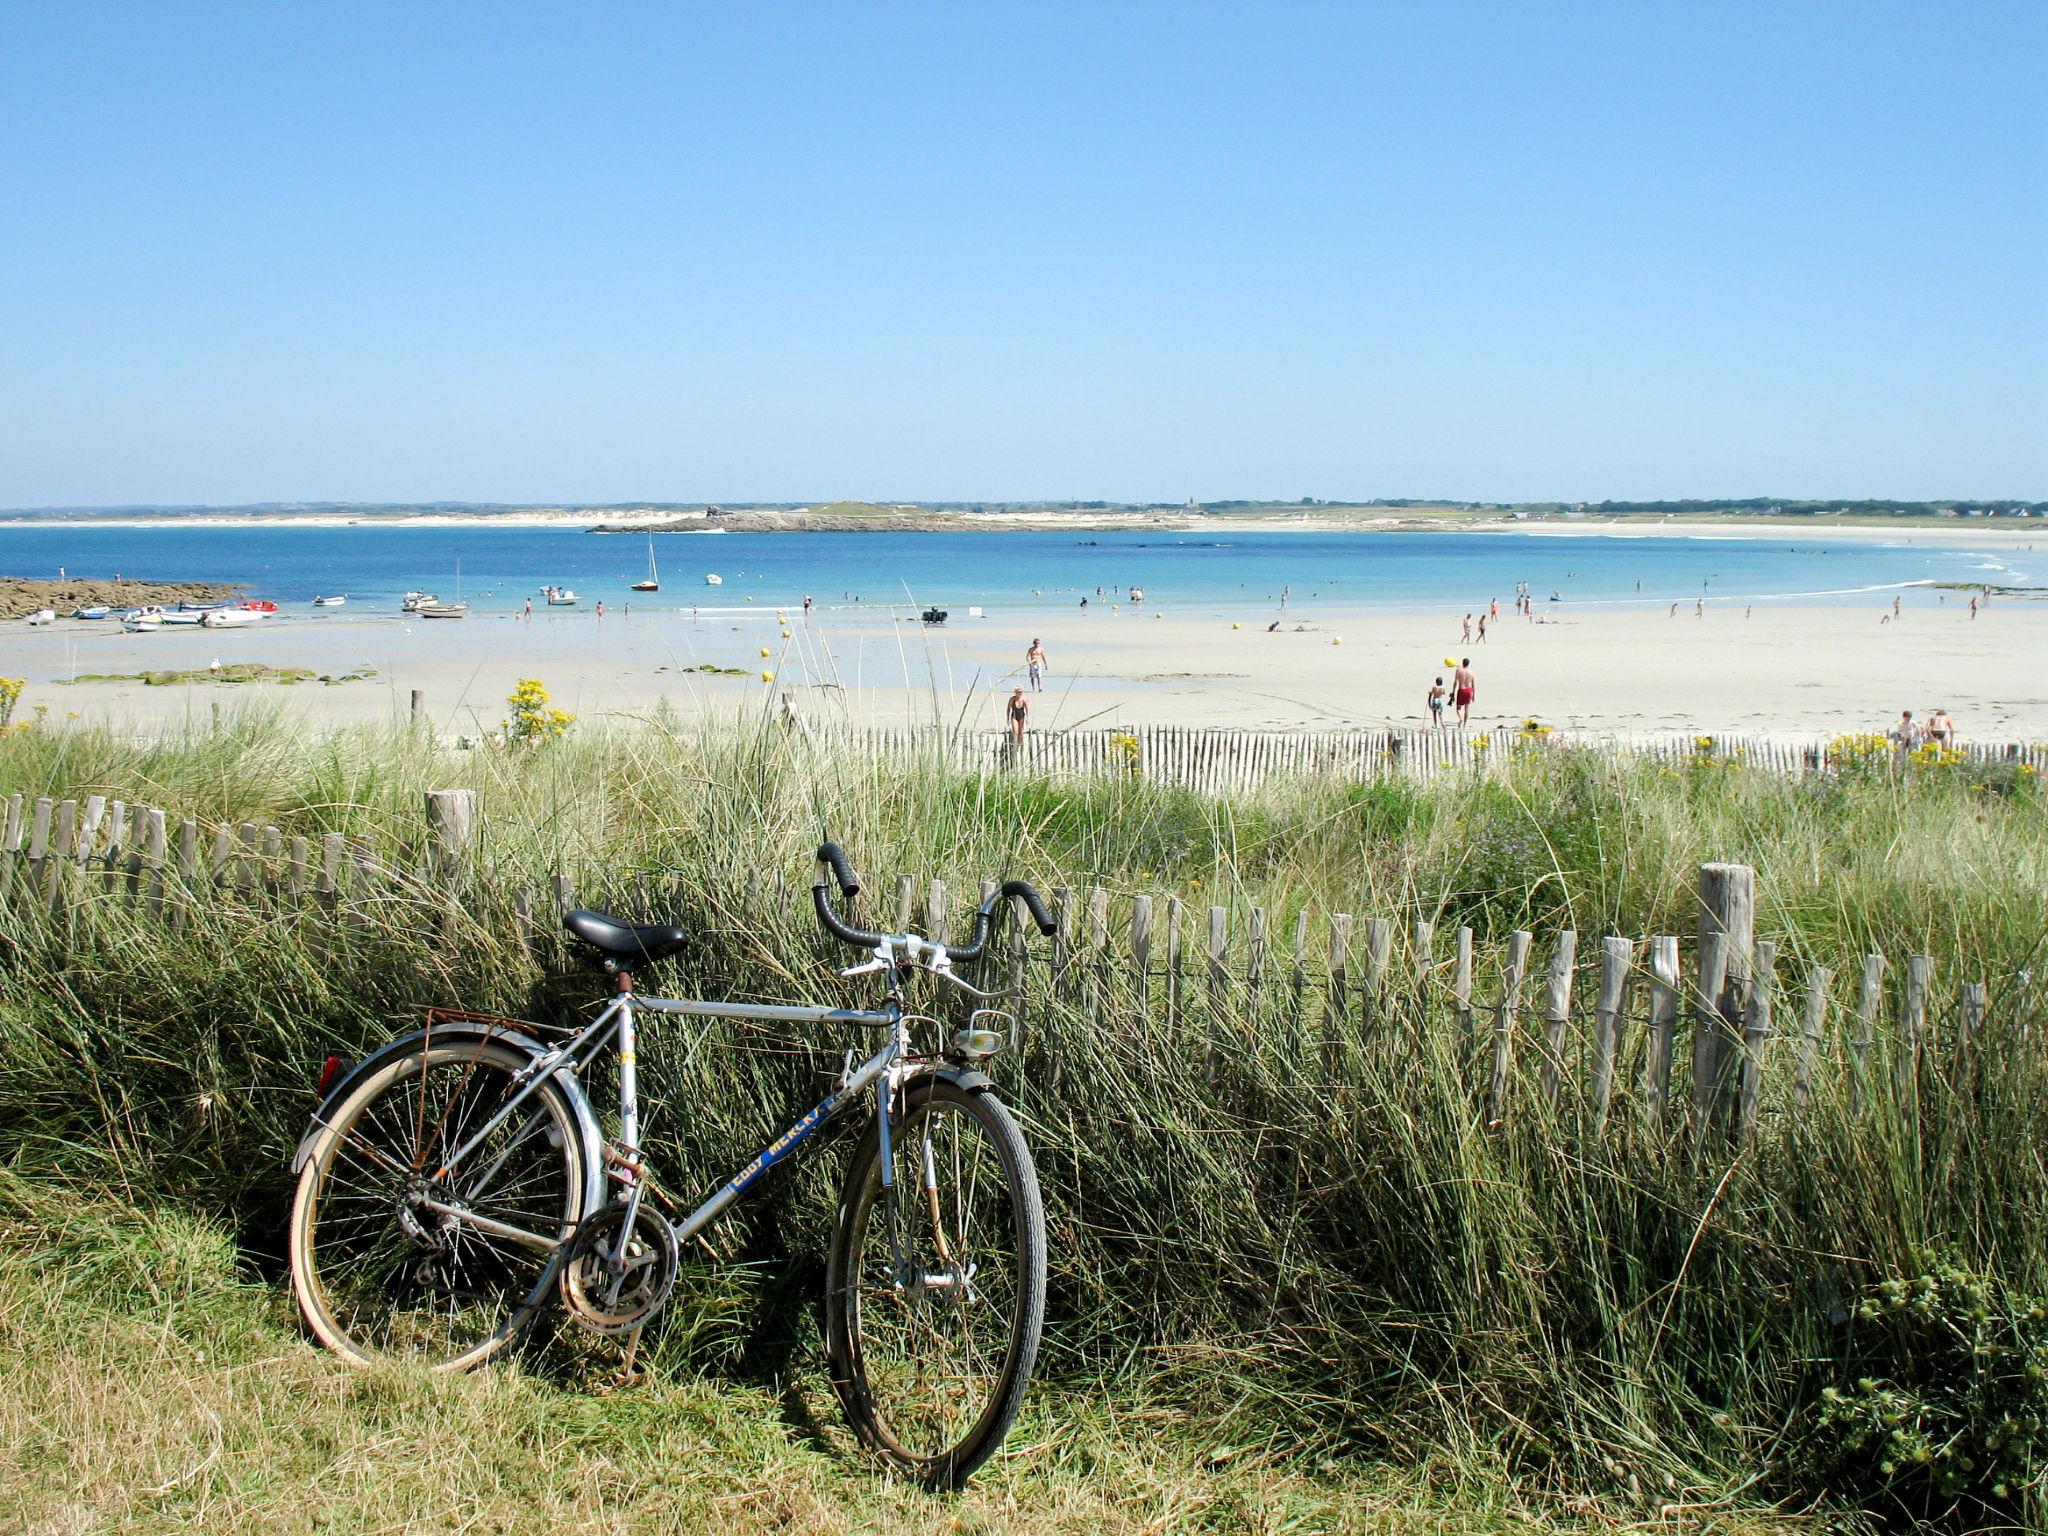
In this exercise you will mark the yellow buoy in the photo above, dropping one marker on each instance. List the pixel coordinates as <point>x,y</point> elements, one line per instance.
<point>767,676</point>
<point>1336,639</point>
<point>1237,626</point>
<point>764,650</point>
<point>785,634</point>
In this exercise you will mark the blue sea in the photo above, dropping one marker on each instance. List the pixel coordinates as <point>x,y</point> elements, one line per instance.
<point>499,568</point>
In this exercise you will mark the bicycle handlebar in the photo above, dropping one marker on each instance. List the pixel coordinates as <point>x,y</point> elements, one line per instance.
<point>834,857</point>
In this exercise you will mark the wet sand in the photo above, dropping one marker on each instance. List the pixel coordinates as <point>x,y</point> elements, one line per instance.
<point>1786,670</point>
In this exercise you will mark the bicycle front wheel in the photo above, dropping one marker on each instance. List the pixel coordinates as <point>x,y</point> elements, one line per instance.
<point>395,1256</point>
<point>935,1286</point>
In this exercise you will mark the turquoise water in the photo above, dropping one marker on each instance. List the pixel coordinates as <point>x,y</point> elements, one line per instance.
<point>1190,573</point>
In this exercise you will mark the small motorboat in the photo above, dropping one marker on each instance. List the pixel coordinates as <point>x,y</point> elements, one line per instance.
<point>713,579</point>
<point>97,612</point>
<point>231,618</point>
<point>185,615</point>
<point>43,616</point>
<point>257,605</point>
<point>442,611</point>
<point>329,602</point>
<point>414,601</point>
<point>142,620</point>
<point>653,581</point>
<point>560,597</point>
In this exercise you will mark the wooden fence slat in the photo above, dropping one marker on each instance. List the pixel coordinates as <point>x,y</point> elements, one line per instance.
<point>1338,1007</point>
<point>1461,994</point>
<point>1913,1023</point>
<point>1869,1000</point>
<point>1504,1023</point>
<point>1756,1034</point>
<point>1663,1021</point>
<point>1379,948</point>
<point>1616,955</point>
<point>1557,1002</point>
<point>1812,1026</point>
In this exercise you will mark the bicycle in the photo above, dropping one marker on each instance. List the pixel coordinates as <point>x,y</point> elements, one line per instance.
<point>455,1181</point>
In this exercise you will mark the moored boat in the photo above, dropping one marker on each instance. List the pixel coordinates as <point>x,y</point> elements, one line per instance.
<point>231,618</point>
<point>560,597</point>
<point>184,615</point>
<point>713,579</point>
<point>330,602</point>
<point>140,620</point>
<point>43,616</point>
<point>442,611</point>
<point>653,581</point>
<point>96,612</point>
<point>414,601</point>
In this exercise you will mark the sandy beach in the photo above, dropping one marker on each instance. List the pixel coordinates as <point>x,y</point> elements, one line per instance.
<point>1785,670</point>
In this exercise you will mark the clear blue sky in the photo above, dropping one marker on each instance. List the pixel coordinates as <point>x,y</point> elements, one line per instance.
<point>599,252</point>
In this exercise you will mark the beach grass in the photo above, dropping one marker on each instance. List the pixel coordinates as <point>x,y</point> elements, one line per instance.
<point>1259,1239</point>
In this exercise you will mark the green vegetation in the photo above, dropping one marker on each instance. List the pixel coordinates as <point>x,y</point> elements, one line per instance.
<point>1305,1256</point>
<point>233,672</point>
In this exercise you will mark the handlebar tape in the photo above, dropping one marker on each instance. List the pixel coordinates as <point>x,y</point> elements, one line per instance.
<point>1021,889</point>
<point>834,855</point>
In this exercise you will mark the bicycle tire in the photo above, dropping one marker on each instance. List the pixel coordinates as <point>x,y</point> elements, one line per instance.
<point>894,1409</point>
<point>377,1276</point>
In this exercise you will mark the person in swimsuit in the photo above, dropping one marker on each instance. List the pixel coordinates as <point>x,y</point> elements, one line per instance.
<point>1436,702</point>
<point>1941,729</point>
<point>1034,660</point>
<point>1018,711</point>
<point>1464,689</point>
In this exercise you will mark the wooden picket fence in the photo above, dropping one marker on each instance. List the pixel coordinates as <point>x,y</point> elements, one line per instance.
<point>1179,970</point>
<point>1214,760</point>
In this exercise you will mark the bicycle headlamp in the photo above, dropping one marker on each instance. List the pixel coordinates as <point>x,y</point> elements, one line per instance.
<point>974,1043</point>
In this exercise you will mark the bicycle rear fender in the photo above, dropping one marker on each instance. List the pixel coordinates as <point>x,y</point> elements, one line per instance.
<point>966,1079</point>
<point>383,1056</point>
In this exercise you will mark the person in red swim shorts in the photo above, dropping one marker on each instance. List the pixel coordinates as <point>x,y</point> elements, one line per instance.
<point>1464,689</point>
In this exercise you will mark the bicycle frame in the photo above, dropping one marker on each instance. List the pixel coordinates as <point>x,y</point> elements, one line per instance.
<point>620,1020</point>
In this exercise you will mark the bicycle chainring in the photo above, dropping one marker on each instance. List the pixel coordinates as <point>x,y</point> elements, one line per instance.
<point>615,1297</point>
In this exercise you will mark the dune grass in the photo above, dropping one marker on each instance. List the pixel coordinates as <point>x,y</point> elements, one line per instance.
<point>1265,1234</point>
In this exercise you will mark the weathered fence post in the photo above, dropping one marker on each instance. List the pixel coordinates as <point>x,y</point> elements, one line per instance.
<point>906,901</point>
<point>1557,1002</point>
<point>1615,956</point>
<point>1062,942</point>
<point>1868,1002</point>
<point>1913,1024</point>
<point>1299,980</point>
<point>10,842</point>
<point>1663,1021</point>
<point>1811,1033</point>
<point>1338,1004</point>
<point>1756,1032</point>
<point>1379,949</point>
<point>1727,940</point>
<point>1218,988</point>
<point>155,851</point>
<point>1425,969</point>
<point>1098,946</point>
<point>451,828</point>
<point>1504,1024</point>
<point>1173,967</point>
<point>1141,959</point>
<point>935,911</point>
<point>1461,996</point>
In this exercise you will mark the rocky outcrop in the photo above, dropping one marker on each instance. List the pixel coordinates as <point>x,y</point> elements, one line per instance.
<point>20,596</point>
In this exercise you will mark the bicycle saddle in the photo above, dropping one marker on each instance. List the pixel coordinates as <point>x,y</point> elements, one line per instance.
<point>626,943</point>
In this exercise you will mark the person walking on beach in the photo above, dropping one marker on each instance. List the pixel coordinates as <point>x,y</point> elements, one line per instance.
<point>1940,729</point>
<point>807,605</point>
<point>600,607</point>
<point>1482,629</point>
<point>1018,710</point>
<point>1034,660</point>
<point>1436,702</point>
<point>529,608</point>
<point>1699,607</point>
<point>1493,610</point>
<point>1467,635</point>
<point>1464,689</point>
<point>1973,607</point>
<point>1905,735</point>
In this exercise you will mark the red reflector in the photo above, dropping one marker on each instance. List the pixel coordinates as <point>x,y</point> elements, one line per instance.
<point>329,1071</point>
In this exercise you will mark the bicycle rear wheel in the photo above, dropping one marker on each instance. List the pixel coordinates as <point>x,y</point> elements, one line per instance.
<point>388,1256</point>
<point>935,1299</point>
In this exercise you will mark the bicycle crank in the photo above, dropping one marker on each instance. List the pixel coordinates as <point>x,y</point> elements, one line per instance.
<point>612,1290</point>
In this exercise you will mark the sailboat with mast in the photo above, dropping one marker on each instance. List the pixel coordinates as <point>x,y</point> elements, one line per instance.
<point>653,581</point>
<point>438,610</point>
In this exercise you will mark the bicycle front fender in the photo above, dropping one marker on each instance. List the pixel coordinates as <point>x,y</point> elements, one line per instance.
<point>346,1083</point>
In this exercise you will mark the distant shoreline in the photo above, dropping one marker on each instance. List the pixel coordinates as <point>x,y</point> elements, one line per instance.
<point>1903,529</point>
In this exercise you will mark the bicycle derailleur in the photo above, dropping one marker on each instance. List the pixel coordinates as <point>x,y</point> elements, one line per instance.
<point>612,1288</point>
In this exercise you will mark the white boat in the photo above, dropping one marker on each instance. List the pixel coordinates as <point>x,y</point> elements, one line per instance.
<point>441,611</point>
<point>414,601</point>
<point>713,579</point>
<point>560,597</point>
<point>653,581</point>
<point>43,616</point>
<point>185,615</point>
<point>231,618</point>
<point>141,620</point>
<point>95,612</point>
<point>329,602</point>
